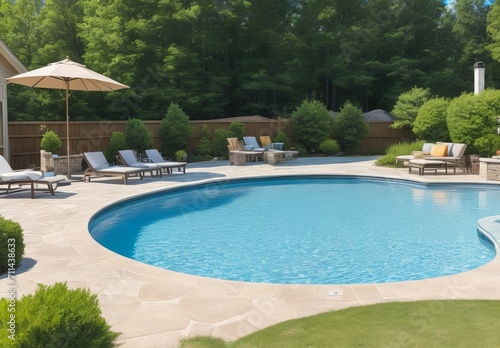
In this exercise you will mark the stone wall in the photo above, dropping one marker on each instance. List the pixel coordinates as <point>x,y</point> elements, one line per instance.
<point>46,161</point>
<point>490,168</point>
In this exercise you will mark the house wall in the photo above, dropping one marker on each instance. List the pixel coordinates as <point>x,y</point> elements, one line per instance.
<point>9,66</point>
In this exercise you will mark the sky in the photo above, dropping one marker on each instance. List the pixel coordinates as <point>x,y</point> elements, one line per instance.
<point>446,2</point>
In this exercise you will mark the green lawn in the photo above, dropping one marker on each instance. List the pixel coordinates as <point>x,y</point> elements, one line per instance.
<point>453,323</point>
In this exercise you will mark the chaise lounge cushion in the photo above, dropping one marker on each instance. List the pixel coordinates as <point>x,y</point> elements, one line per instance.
<point>450,148</point>
<point>439,150</point>
<point>427,147</point>
<point>457,150</point>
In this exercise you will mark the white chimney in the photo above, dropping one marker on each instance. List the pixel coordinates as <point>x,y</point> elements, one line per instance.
<point>478,77</point>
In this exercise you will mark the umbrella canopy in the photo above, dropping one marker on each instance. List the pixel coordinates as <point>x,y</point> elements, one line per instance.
<point>67,75</point>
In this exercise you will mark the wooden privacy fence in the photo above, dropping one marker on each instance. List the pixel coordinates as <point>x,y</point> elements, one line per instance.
<point>24,137</point>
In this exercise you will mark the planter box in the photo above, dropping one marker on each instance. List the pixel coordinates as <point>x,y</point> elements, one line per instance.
<point>59,164</point>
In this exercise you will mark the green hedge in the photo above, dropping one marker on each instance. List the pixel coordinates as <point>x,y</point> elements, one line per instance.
<point>54,316</point>
<point>11,244</point>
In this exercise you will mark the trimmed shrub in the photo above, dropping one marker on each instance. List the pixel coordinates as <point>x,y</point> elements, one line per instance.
<point>329,147</point>
<point>175,130</point>
<point>116,143</point>
<point>281,137</point>
<point>430,123</point>
<point>311,124</point>
<point>349,129</point>
<point>471,117</point>
<point>488,145</point>
<point>236,130</point>
<point>137,135</point>
<point>204,148</point>
<point>11,244</point>
<point>219,143</point>
<point>181,156</point>
<point>50,142</point>
<point>406,108</point>
<point>302,150</point>
<point>56,316</point>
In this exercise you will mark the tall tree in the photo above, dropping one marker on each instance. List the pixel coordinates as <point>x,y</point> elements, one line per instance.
<point>399,48</point>
<point>265,83</point>
<point>321,62</point>
<point>469,31</point>
<point>19,28</point>
<point>493,29</point>
<point>59,20</point>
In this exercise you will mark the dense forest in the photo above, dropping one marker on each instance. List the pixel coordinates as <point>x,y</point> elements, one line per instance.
<point>219,58</point>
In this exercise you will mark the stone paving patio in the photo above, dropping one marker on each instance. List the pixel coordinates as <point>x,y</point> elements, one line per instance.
<point>153,307</point>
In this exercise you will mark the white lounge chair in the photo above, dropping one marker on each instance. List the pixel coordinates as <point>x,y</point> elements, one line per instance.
<point>98,166</point>
<point>128,158</point>
<point>33,178</point>
<point>155,157</point>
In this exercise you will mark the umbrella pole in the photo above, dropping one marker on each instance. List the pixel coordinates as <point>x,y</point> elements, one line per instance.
<point>67,127</point>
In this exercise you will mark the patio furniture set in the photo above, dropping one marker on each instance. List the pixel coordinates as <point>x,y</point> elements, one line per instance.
<point>241,152</point>
<point>440,156</point>
<point>98,167</point>
<point>154,164</point>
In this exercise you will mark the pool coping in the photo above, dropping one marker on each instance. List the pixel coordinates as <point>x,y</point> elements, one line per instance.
<point>153,306</point>
<point>490,227</point>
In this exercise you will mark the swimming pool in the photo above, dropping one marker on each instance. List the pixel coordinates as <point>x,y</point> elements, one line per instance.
<point>314,230</point>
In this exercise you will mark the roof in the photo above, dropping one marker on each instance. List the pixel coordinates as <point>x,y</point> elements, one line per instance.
<point>254,118</point>
<point>9,64</point>
<point>377,115</point>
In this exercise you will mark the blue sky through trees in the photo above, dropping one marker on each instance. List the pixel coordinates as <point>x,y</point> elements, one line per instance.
<point>446,2</point>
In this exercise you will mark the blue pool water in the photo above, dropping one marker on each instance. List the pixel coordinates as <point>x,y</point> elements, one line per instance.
<point>318,230</point>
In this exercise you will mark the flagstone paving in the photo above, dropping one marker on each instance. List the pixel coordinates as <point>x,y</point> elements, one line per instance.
<point>153,307</point>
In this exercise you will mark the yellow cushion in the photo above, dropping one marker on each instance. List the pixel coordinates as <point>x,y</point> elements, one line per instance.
<point>265,140</point>
<point>439,150</point>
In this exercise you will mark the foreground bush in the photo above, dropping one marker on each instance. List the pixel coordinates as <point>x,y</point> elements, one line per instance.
<point>11,244</point>
<point>55,316</point>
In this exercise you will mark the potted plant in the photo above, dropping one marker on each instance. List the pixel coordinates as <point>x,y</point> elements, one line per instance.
<point>181,156</point>
<point>50,142</point>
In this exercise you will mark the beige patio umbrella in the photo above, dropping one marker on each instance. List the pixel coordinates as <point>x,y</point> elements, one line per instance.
<point>66,75</point>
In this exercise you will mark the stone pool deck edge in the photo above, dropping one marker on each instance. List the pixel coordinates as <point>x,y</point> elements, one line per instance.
<point>153,307</point>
